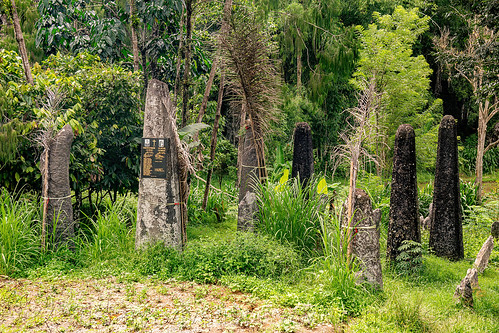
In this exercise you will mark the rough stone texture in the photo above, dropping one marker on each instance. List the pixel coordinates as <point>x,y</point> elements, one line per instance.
<point>59,218</point>
<point>246,212</point>
<point>365,242</point>
<point>495,229</point>
<point>446,231</point>
<point>158,218</point>
<point>482,259</point>
<point>303,155</point>
<point>404,218</point>
<point>464,291</point>
<point>427,221</point>
<point>249,180</point>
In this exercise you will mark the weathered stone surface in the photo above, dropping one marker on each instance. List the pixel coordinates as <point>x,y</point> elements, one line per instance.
<point>158,209</point>
<point>59,218</point>
<point>365,242</point>
<point>427,221</point>
<point>303,155</point>
<point>482,259</point>
<point>495,230</point>
<point>248,183</point>
<point>404,218</point>
<point>246,212</point>
<point>464,291</point>
<point>446,231</point>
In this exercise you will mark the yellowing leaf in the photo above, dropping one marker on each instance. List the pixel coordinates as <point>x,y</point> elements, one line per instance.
<point>322,186</point>
<point>283,180</point>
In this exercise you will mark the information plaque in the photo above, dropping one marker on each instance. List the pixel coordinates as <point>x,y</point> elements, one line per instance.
<point>153,157</point>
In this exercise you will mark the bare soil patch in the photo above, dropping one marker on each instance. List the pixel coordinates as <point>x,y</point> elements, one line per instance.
<point>111,305</point>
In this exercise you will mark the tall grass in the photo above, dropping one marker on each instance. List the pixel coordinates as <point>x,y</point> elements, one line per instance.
<point>291,213</point>
<point>19,243</point>
<point>114,231</point>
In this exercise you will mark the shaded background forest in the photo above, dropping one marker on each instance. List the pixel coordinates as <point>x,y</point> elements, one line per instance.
<point>85,73</point>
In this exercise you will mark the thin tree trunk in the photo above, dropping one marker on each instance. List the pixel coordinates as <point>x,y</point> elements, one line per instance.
<point>20,42</point>
<point>482,132</point>
<point>214,139</point>
<point>187,67</point>
<point>354,164</point>
<point>240,143</point>
<point>206,95</point>
<point>179,60</point>
<point>135,43</point>
<point>299,69</point>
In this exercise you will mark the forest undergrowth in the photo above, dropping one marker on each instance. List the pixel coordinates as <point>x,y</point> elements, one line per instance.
<point>303,273</point>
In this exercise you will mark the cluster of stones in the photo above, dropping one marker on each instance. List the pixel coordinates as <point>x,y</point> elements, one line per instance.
<point>159,215</point>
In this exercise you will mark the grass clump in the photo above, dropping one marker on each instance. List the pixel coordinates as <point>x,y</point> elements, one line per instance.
<point>19,244</point>
<point>290,212</point>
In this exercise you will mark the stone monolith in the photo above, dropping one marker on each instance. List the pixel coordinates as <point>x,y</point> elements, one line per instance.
<point>158,208</point>
<point>365,241</point>
<point>57,194</point>
<point>446,230</point>
<point>248,207</point>
<point>404,218</point>
<point>303,154</point>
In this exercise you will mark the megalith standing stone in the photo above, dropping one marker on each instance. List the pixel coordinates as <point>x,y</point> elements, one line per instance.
<point>446,230</point>
<point>404,220</point>
<point>248,205</point>
<point>158,209</point>
<point>365,241</point>
<point>482,258</point>
<point>57,192</point>
<point>303,155</point>
<point>494,230</point>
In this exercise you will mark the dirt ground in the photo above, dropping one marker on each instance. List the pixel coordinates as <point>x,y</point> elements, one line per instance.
<point>111,305</point>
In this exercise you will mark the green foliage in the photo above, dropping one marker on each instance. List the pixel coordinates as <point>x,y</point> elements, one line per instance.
<point>101,102</point>
<point>19,244</point>
<point>467,157</point>
<point>111,233</point>
<point>207,260</point>
<point>469,195</point>
<point>216,207</point>
<point>291,213</point>
<point>425,198</point>
<point>410,260</point>
<point>387,56</point>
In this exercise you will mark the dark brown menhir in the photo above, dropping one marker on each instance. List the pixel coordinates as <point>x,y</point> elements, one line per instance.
<point>303,155</point>
<point>446,231</point>
<point>59,211</point>
<point>249,181</point>
<point>404,219</point>
<point>494,230</point>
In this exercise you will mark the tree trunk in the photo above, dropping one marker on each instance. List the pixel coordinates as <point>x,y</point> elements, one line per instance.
<point>20,42</point>
<point>214,140</point>
<point>135,44</point>
<point>240,143</point>
<point>299,66</point>
<point>206,95</point>
<point>176,87</point>
<point>482,132</point>
<point>187,67</point>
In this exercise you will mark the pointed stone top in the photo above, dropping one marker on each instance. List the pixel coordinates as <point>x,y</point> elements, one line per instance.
<point>303,126</point>
<point>405,131</point>
<point>448,121</point>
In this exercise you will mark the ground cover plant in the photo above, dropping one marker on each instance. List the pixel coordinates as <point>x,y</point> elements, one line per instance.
<point>309,289</point>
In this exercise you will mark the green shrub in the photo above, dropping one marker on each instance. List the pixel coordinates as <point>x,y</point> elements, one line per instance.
<point>291,213</point>
<point>410,258</point>
<point>207,260</point>
<point>19,241</point>
<point>216,207</point>
<point>425,198</point>
<point>469,191</point>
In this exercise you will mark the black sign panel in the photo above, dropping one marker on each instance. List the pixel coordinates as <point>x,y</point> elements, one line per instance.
<point>153,157</point>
